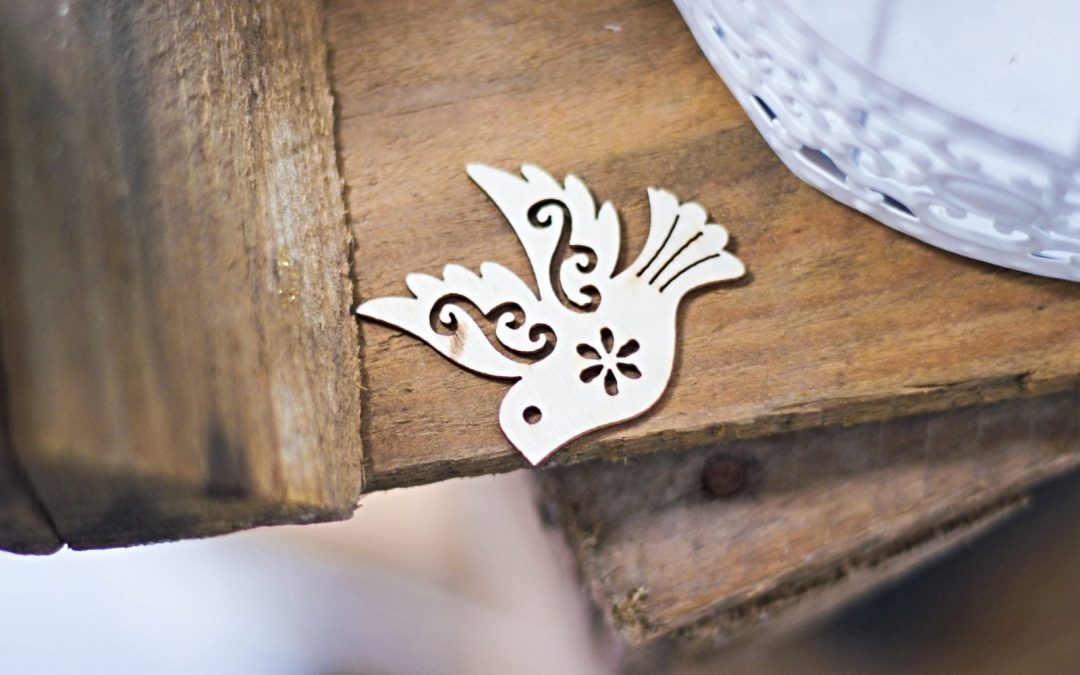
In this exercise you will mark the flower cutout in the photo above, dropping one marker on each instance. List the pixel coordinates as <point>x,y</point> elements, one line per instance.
<point>610,363</point>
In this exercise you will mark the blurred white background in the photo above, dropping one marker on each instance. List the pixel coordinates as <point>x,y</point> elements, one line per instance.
<point>449,578</point>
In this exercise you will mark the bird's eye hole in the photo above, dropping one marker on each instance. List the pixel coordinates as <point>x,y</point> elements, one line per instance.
<point>532,414</point>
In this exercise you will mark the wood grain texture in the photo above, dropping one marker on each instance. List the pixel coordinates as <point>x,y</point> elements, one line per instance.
<point>833,511</point>
<point>1004,604</point>
<point>180,356</point>
<point>842,321</point>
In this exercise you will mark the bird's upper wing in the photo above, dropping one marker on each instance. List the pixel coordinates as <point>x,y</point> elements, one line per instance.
<point>544,213</point>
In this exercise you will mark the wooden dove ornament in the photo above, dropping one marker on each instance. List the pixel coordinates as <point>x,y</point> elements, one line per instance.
<point>592,346</point>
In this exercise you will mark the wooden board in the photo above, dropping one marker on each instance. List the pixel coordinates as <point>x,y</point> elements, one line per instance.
<point>24,527</point>
<point>841,321</point>
<point>829,513</point>
<point>180,356</point>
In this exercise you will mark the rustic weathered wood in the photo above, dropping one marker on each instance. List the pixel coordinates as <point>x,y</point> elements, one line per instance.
<point>180,356</point>
<point>831,512</point>
<point>690,650</point>
<point>1004,604</point>
<point>843,320</point>
<point>24,528</point>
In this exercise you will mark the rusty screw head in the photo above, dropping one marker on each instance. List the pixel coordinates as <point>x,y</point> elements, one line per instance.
<point>726,475</point>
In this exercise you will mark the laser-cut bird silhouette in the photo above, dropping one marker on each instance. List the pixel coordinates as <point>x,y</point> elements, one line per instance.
<point>592,346</point>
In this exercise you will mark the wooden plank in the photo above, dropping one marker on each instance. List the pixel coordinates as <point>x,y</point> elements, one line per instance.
<point>842,321</point>
<point>1006,603</point>
<point>827,513</point>
<point>180,356</point>
<point>712,637</point>
<point>24,527</point>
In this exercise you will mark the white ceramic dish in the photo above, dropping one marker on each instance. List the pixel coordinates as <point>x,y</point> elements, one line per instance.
<point>956,122</point>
